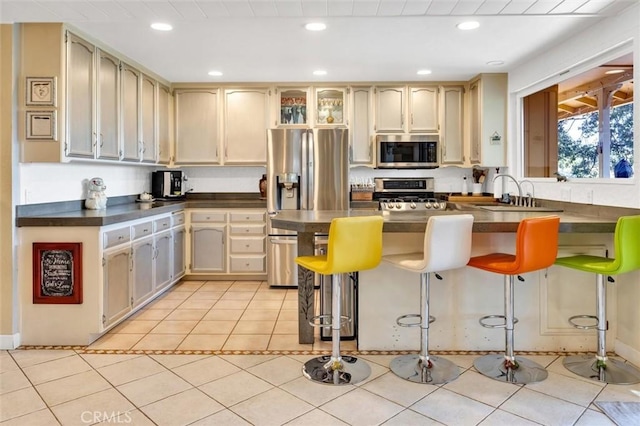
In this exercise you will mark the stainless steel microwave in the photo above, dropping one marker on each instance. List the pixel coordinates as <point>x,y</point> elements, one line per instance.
<point>407,151</point>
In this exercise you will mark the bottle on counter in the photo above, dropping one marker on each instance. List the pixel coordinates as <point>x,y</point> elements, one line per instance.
<point>464,190</point>
<point>263,186</point>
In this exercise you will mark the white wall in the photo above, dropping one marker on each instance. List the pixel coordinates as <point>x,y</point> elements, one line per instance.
<point>574,55</point>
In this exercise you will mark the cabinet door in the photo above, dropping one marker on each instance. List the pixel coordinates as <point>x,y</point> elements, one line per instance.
<point>292,106</point>
<point>130,113</point>
<point>475,116</point>
<point>330,107</point>
<point>108,97</point>
<point>142,258</point>
<point>361,123</point>
<point>390,109</point>
<point>148,115</point>
<point>423,103</point>
<point>164,133</point>
<point>117,298</point>
<point>163,263</point>
<point>80,97</point>
<point>196,127</point>
<point>179,247</point>
<point>246,118</point>
<point>208,252</point>
<point>452,136</point>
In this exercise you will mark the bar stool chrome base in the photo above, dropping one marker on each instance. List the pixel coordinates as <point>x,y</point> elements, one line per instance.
<point>527,371</point>
<point>410,367</point>
<point>614,372</point>
<point>321,370</point>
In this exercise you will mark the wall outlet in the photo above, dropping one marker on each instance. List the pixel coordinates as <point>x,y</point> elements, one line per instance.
<point>589,196</point>
<point>565,194</point>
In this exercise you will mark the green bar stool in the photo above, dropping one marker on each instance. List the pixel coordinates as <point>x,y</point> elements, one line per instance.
<point>627,252</point>
<point>355,244</point>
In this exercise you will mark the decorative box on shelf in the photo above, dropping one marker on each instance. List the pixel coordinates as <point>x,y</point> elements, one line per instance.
<point>361,194</point>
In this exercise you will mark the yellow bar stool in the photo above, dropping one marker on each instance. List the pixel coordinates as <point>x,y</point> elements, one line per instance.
<point>355,244</point>
<point>536,248</point>
<point>627,252</point>
<point>447,245</point>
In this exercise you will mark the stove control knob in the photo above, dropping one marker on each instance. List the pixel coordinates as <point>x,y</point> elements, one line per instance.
<point>387,205</point>
<point>413,205</point>
<point>398,206</point>
<point>428,204</point>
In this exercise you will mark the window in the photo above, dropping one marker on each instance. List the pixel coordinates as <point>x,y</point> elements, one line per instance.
<point>582,127</point>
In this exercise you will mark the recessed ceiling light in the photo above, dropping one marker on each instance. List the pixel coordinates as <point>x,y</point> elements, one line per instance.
<point>614,72</point>
<point>161,26</point>
<point>424,72</point>
<point>495,63</point>
<point>315,26</point>
<point>215,73</point>
<point>320,72</point>
<point>468,25</point>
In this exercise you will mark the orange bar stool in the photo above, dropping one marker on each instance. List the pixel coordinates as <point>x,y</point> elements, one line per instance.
<point>536,248</point>
<point>355,244</point>
<point>627,252</point>
<point>447,245</point>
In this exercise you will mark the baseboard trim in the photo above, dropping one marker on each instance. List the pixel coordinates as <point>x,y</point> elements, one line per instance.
<point>632,355</point>
<point>9,341</point>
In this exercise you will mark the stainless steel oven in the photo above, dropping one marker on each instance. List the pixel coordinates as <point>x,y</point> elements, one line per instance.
<point>407,151</point>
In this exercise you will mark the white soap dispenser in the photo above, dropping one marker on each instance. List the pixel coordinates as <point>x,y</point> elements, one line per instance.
<point>464,190</point>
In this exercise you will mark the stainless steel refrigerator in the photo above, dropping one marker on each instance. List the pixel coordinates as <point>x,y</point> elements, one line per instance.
<point>307,169</point>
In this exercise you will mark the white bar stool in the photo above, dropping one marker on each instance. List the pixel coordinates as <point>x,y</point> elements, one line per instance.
<point>447,245</point>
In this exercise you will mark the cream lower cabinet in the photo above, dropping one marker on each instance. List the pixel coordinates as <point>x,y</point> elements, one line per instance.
<point>227,242</point>
<point>142,255</point>
<point>116,285</point>
<point>163,259</point>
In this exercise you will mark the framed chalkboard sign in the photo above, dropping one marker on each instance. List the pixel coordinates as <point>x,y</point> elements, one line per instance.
<point>57,273</point>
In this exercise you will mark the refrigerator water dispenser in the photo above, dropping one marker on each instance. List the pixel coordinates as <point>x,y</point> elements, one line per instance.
<point>288,195</point>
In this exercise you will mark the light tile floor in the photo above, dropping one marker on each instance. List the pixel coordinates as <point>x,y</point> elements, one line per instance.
<point>172,387</point>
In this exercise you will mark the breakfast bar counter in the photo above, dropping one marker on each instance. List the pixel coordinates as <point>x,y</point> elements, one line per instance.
<point>306,223</point>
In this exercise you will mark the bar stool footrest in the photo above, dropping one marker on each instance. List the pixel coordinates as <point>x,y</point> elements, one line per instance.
<point>610,371</point>
<point>483,321</point>
<point>312,322</point>
<point>583,327</point>
<point>412,324</point>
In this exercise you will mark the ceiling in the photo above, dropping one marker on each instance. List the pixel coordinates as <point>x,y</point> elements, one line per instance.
<point>365,40</point>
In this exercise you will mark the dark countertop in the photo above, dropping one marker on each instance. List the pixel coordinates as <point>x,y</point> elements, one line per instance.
<point>122,209</point>
<point>484,221</point>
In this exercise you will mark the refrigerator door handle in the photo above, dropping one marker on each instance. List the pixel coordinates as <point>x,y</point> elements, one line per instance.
<point>306,184</point>
<point>281,240</point>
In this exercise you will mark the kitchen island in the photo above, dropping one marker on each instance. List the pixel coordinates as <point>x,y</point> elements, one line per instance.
<point>386,292</point>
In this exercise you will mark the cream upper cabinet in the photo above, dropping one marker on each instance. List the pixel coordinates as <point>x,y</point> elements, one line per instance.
<point>330,107</point>
<point>292,106</point>
<point>390,109</point>
<point>80,133</point>
<point>246,118</point>
<point>165,100</point>
<point>423,109</point>
<point>108,106</point>
<point>488,119</point>
<point>361,150</point>
<point>196,126</point>
<point>452,128</point>
<point>148,111</point>
<point>130,110</point>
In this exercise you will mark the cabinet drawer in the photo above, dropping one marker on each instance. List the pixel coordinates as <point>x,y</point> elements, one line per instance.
<point>142,229</point>
<point>247,229</point>
<point>117,236</point>
<point>161,224</point>
<point>247,217</point>
<point>208,217</point>
<point>247,264</point>
<point>177,219</point>
<point>247,245</point>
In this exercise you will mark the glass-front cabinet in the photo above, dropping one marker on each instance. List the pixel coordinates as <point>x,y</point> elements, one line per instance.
<point>330,107</point>
<point>292,106</point>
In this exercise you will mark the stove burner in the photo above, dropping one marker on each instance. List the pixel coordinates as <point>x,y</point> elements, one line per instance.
<point>407,204</point>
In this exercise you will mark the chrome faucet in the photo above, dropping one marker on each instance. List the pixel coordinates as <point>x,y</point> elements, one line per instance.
<point>519,200</point>
<point>531,196</point>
